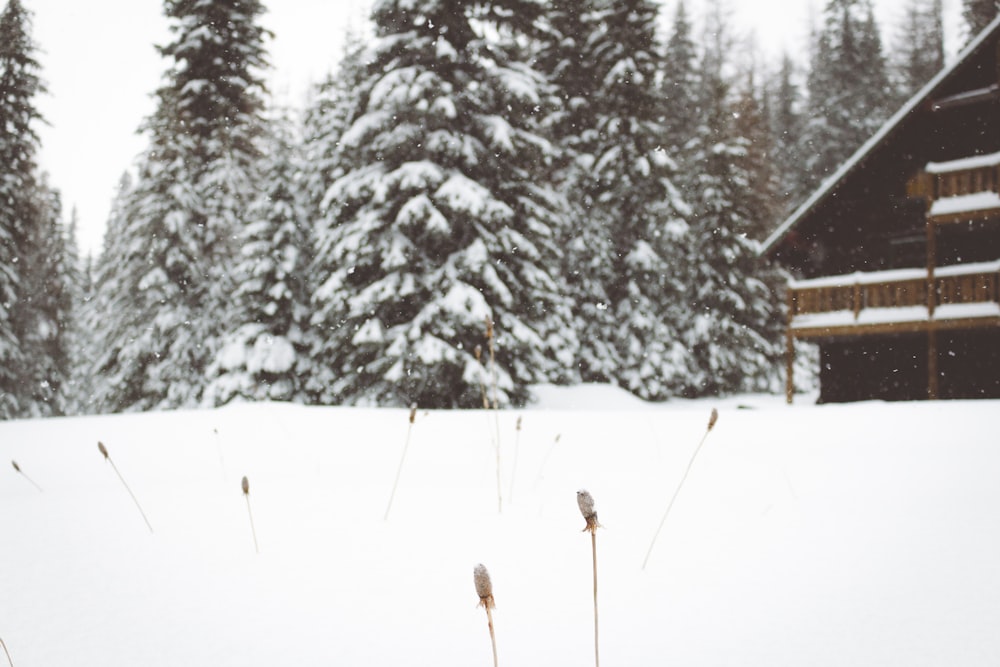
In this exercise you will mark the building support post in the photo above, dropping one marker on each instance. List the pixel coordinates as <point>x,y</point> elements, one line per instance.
<point>789,365</point>
<point>932,364</point>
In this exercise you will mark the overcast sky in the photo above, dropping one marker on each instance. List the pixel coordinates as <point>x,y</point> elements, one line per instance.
<point>101,69</point>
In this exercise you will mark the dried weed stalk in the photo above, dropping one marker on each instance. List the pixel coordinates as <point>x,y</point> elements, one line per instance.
<point>513,470</point>
<point>6,652</point>
<point>245,485</point>
<point>586,503</point>
<point>104,452</point>
<point>484,589</point>
<point>22,473</point>
<point>711,424</point>
<point>399,469</point>
<point>490,339</point>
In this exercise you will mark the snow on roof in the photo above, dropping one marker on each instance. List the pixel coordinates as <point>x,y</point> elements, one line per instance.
<point>974,162</point>
<point>978,201</point>
<point>828,184</point>
<point>895,275</point>
<point>870,316</point>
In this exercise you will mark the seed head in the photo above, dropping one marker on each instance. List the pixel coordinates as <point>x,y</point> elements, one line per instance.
<point>489,328</point>
<point>102,448</point>
<point>484,587</point>
<point>478,351</point>
<point>16,467</point>
<point>586,503</point>
<point>413,412</point>
<point>246,486</point>
<point>714,418</point>
<point>518,423</point>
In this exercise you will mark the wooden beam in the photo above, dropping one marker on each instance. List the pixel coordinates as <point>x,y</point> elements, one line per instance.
<point>919,326</point>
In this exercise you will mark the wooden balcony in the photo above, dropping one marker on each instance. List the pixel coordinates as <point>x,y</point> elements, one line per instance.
<point>902,300</point>
<point>960,190</point>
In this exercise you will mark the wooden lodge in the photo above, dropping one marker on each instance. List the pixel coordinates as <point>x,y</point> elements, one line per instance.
<point>896,257</point>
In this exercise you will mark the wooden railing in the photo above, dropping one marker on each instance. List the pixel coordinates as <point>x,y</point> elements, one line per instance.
<point>971,283</point>
<point>958,177</point>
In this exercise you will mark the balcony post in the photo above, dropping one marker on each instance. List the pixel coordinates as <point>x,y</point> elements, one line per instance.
<point>932,365</point>
<point>790,348</point>
<point>931,259</point>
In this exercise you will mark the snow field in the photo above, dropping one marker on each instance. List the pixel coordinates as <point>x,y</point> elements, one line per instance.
<point>861,534</point>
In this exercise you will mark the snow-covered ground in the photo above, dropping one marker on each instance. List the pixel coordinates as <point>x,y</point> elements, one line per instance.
<point>862,535</point>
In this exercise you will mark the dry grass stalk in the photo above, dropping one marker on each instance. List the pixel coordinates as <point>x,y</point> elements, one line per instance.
<point>484,589</point>
<point>104,452</point>
<point>478,351</point>
<point>245,484</point>
<point>513,470</point>
<point>399,469</point>
<point>490,338</point>
<point>22,473</point>
<point>586,503</point>
<point>6,652</point>
<point>711,424</point>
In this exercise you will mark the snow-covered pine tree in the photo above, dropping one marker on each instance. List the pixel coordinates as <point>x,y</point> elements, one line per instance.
<point>977,14</point>
<point>734,333</point>
<point>332,105</point>
<point>680,82</point>
<point>848,86</point>
<point>114,319</point>
<point>261,357</point>
<point>188,204</point>
<point>444,217</point>
<point>630,179</point>
<point>785,112</point>
<point>22,214</point>
<point>46,308</point>
<point>918,53</point>
<point>571,122</point>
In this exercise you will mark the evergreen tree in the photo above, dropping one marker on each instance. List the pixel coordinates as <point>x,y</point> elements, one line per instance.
<point>848,86</point>
<point>977,14</point>
<point>679,88</point>
<point>114,317</point>
<point>327,116</point>
<point>20,211</point>
<point>734,332</point>
<point>261,355</point>
<point>188,204</point>
<point>919,48</point>
<point>443,218</point>
<point>787,128</point>
<point>630,178</point>
<point>46,308</point>
<point>564,59</point>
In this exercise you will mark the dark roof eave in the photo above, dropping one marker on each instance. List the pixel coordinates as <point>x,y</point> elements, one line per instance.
<point>827,187</point>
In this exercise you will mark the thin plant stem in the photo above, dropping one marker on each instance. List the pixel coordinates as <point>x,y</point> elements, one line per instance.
<point>253,531</point>
<point>663,520</point>
<point>107,457</point>
<point>245,484</point>
<point>6,652</point>
<point>399,468</point>
<point>513,470</point>
<point>496,404</point>
<point>24,475</point>
<point>586,503</point>
<point>593,544</point>
<point>484,588</point>
<point>493,637</point>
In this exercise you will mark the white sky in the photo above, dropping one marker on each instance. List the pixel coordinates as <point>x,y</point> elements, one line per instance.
<point>101,69</point>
